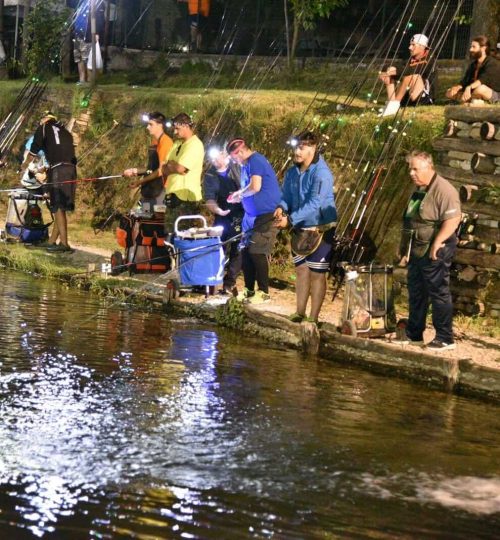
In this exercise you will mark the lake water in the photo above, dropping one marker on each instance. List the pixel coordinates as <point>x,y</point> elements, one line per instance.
<point>117,423</point>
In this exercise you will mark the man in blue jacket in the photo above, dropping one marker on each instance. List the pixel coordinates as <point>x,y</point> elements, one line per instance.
<point>308,205</point>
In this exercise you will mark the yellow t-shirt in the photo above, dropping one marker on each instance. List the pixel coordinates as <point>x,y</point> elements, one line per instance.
<point>189,154</point>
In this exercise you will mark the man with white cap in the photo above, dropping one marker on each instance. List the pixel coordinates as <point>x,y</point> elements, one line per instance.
<point>416,81</point>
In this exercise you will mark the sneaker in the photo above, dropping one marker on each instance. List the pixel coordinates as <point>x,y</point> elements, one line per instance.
<point>405,340</point>
<point>244,295</point>
<point>436,345</point>
<point>391,108</point>
<point>59,248</point>
<point>44,245</point>
<point>296,318</point>
<point>258,298</point>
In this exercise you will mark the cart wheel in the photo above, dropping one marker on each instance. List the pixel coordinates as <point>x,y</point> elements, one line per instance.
<point>116,263</point>
<point>349,329</point>
<point>171,292</point>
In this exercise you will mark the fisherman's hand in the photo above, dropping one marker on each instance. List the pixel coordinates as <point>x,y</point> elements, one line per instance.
<point>128,173</point>
<point>235,197</point>
<point>467,93</point>
<point>223,212</point>
<point>403,262</point>
<point>41,176</point>
<point>280,220</point>
<point>433,254</point>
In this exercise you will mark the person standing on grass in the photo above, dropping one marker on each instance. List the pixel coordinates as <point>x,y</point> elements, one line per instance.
<point>182,170</point>
<point>150,180</point>
<point>431,220</point>
<point>308,206</point>
<point>260,194</point>
<point>56,142</point>
<point>222,179</point>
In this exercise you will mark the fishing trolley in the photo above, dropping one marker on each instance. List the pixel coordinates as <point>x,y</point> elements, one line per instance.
<point>24,221</point>
<point>368,309</point>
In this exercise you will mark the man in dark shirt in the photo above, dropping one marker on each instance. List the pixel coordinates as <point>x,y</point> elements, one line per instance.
<point>482,78</point>
<point>416,86</point>
<point>57,144</point>
<point>222,179</point>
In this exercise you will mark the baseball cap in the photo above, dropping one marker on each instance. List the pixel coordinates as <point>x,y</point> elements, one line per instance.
<point>420,39</point>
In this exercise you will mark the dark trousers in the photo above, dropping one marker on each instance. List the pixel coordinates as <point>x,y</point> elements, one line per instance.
<point>233,266</point>
<point>429,283</point>
<point>255,268</point>
<point>233,253</point>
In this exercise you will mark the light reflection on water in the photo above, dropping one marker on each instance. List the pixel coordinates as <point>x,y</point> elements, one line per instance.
<point>130,424</point>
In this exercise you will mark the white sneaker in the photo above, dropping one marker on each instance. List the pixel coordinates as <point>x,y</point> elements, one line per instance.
<point>391,108</point>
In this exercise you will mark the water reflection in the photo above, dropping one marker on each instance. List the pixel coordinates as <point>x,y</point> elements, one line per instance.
<point>119,423</point>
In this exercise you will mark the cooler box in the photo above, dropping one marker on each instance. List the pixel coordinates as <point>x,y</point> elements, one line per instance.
<point>200,257</point>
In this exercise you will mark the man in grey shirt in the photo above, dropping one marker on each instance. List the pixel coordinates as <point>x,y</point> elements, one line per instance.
<point>431,219</point>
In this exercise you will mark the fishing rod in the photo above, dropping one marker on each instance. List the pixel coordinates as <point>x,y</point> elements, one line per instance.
<point>382,155</point>
<point>14,106</point>
<point>438,49</point>
<point>75,181</point>
<point>24,113</point>
<point>394,141</point>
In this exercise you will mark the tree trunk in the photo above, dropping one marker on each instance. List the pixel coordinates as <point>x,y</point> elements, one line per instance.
<point>3,70</point>
<point>485,20</point>
<point>295,39</point>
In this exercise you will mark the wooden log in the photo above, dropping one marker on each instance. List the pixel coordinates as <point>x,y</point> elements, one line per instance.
<point>463,134</point>
<point>475,132</point>
<point>460,164</point>
<point>477,258</point>
<point>310,338</point>
<point>481,208</point>
<point>472,114</point>
<point>495,248</point>
<point>466,192</point>
<point>456,154</point>
<point>450,128</point>
<point>461,176</point>
<point>488,130</point>
<point>491,223</point>
<point>491,148</point>
<point>481,163</point>
<point>487,234</point>
<point>468,274</point>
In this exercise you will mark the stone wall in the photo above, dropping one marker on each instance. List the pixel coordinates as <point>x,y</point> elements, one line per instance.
<point>469,156</point>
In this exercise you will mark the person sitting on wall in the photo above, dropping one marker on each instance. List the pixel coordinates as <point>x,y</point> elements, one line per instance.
<point>482,78</point>
<point>417,85</point>
<point>199,10</point>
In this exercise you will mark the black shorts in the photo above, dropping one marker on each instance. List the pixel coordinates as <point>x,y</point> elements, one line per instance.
<point>61,192</point>
<point>423,99</point>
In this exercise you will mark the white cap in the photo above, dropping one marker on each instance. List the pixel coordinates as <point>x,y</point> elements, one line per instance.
<point>420,39</point>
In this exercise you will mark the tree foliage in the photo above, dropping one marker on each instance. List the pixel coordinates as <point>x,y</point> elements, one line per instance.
<point>45,25</point>
<point>305,14</point>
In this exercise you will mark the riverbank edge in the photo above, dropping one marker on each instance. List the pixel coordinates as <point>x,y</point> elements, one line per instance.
<point>452,375</point>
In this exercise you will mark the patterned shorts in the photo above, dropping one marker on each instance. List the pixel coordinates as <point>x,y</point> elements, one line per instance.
<point>81,50</point>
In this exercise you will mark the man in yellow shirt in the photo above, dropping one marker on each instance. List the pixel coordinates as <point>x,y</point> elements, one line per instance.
<point>182,171</point>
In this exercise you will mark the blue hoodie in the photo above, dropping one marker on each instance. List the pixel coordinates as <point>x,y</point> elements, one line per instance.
<point>308,197</point>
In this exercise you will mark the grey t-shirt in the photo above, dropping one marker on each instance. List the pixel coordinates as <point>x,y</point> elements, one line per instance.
<point>441,202</point>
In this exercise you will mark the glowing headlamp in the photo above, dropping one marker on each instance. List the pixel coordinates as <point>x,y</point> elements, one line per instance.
<point>169,124</point>
<point>293,142</point>
<point>213,152</point>
<point>145,118</point>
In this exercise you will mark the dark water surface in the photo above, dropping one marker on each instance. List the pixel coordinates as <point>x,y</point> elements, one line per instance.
<point>121,424</point>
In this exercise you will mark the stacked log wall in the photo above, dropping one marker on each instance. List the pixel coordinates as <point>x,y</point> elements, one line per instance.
<point>468,155</point>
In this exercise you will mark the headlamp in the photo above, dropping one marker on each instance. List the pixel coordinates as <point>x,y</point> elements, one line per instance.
<point>293,142</point>
<point>213,152</point>
<point>169,124</point>
<point>145,118</point>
